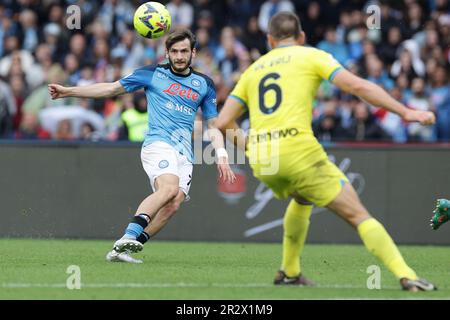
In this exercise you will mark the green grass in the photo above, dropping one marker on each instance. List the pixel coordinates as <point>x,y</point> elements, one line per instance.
<point>36,269</point>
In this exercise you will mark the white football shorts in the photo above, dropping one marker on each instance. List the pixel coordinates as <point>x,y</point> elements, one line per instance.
<point>160,158</point>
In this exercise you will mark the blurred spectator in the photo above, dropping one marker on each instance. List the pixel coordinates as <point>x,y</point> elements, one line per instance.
<point>28,23</point>
<point>271,7</point>
<point>405,64</point>
<point>229,64</point>
<point>7,27</point>
<point>365,126</point>
<point>77,46</point>
<point>15,57</point>
<point>328,128</point>
<point>377,74</point>
<point>135,120</point>
<point>330,45</point>
<point>312,23</point>
<point>115,16</point>
<point>182,13</point>
<point>254,39</point>
<point>7,110</point>
<point>343,27</point>
<point>403,83</point>
<point>328,125</point>
<point>440,97</point>
<point>37,73</point>
<point>88,133</point>
<point>431,42</point>
<point>19,92</point>
<point>86,76</point>
<point>72,67</point>
<point>389,17</point>
<point>414,19</point>
<point>204,60</point>
<point>419,101</point>
<point>30,128</point>
<point>388,51</point>
<point>64,131</point>
<point>227,41</point>
<point>39,98</point>
<point>52,36</point>
<point>132,51</point>
<point>210,14</point>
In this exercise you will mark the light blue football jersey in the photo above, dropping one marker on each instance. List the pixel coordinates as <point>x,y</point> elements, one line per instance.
<point>172,102</point>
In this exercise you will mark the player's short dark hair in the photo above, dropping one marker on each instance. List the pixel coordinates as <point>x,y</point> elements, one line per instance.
<point>180,35</point>
<point>285,25</point>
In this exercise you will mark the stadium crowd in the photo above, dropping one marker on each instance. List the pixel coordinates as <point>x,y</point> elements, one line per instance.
<point>409,55</point>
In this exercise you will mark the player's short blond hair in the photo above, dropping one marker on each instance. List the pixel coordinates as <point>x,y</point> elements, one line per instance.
<point>285,25</point>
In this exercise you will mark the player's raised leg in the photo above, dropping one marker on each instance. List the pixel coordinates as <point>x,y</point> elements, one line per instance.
<point>441,214</point>
<point>166,191</point>
<point>295,225</point>
<point>159,221</point>
<point>376,239</point>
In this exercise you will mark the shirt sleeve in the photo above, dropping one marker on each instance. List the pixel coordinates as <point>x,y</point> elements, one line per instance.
<point>209,105</point>
<point>140,78</point>
<point>239,92</point>
<point>325,65</point>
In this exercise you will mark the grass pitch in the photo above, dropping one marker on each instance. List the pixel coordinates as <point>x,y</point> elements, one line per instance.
<point>36,269</point>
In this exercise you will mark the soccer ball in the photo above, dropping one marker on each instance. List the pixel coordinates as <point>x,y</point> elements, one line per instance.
<point>152,20</point>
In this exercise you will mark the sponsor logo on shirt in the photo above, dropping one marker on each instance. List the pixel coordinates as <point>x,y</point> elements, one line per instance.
<point>162,75</point>
<point>175,106</point>
<point>177,90</point>
<point>277,134</point>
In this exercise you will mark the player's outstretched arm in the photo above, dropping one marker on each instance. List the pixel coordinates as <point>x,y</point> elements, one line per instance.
<point>97,90</point>
<point>377,96</point>
<point>226,122</point>
<point>217,141</point>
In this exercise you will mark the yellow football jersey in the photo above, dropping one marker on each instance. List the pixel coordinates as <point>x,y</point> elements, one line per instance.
<point>279,90</point>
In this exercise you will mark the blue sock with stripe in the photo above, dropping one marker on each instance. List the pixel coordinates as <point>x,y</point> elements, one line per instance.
<point>136,226</point>
<point>143,237</point>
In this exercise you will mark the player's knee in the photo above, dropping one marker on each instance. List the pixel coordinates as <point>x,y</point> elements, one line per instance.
<point>174,207</point>
<point>169,192</point>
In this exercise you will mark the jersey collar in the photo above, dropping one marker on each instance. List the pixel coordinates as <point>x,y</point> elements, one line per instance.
<point>179,74</point>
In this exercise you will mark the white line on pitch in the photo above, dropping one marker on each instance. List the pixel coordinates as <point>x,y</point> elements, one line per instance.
<point>174,285</point>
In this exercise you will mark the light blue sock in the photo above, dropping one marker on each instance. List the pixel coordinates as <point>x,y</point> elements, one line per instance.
<point>136,227</point>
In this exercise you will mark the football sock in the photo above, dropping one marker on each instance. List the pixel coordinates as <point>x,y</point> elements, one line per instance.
<point>296,224</point>
<point>136,226</point>
<point>380,244</point>
<point>143,237</point>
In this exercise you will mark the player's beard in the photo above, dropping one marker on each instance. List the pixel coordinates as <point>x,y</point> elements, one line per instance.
<point>180,69</point>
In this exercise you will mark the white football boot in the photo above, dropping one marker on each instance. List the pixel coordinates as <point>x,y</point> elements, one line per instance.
<point>115,256</point>
<point>131,245</point>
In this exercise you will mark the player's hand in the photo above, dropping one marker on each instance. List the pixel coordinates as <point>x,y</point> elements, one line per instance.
<point>57,91</point>
<point>426,118</point>
<point>225,172</point>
